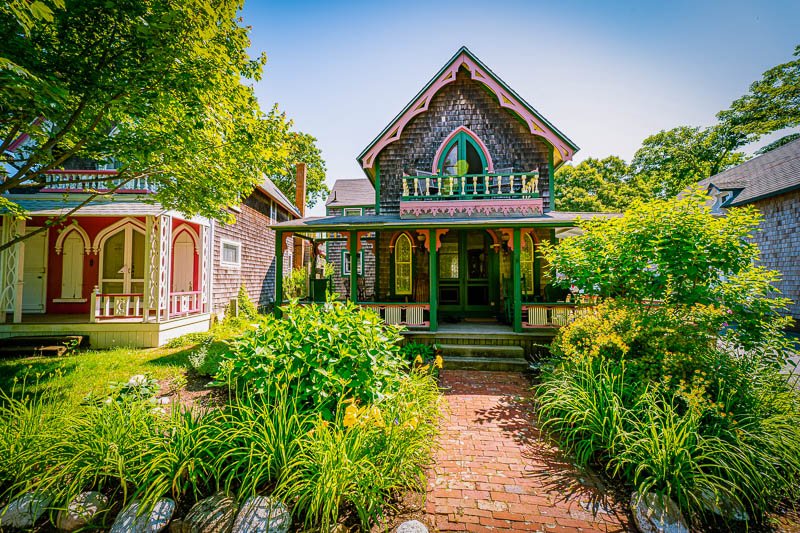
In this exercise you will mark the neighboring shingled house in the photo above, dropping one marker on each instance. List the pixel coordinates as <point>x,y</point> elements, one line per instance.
<point>770,182</point>
<point>353,197</point>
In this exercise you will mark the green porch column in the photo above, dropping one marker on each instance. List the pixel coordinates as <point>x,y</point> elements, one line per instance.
<point>353,266</point>
<point>312,277</point>
<point>515,275</point>
<point>433,276</point>
<point>279,242</point>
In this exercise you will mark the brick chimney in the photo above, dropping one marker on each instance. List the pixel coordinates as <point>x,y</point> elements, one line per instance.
<point>300,202</point>
<point>300,188</point>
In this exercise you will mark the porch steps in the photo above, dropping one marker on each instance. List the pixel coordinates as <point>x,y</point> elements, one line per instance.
<point>483,357</point>
<point>46,346</point>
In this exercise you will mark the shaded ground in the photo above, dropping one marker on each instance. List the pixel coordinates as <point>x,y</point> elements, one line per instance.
<point>493,472</point>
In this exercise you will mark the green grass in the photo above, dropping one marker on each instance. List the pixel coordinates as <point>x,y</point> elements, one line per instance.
<point>90,371</point>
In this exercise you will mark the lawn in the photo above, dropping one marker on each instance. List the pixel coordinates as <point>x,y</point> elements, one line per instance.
<point>90,371</point>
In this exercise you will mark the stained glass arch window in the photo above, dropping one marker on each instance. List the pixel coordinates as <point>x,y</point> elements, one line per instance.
<point>526,264</point>
<point>402,265</point>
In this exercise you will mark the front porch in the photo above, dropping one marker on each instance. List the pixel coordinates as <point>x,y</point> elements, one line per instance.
<point>455,281</point>
<point>122,272</point>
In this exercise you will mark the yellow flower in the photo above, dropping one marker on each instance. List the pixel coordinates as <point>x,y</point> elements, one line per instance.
<point>425,368</point>
<point>438,362</point>
<point>418,360</point>
<point>411,423</point>
<point>350,416</point>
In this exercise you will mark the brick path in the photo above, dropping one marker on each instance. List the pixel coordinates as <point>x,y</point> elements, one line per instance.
<point>493,473</point>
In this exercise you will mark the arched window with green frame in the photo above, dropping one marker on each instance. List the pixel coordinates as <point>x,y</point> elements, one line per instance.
<point>462,153</point>
<point>402,265</point>
<point>526,264</point>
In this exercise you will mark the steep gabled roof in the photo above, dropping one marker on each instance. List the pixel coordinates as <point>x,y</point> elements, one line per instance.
<point>269,188</point>
<point>506,96</point>
<point>767,175</point>
<point>351,193</point>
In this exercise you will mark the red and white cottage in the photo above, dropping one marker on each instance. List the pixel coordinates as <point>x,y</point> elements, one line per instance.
<point>123,270</point>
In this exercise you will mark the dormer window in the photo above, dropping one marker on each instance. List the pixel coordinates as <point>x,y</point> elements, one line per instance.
<point>462,154</point>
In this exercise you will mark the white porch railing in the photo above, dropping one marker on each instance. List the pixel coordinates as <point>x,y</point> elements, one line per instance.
<point>97,180</point>
<point>185,303</point>
<point>111,306</point>
<point>549,315</point>
<point>401,314</point>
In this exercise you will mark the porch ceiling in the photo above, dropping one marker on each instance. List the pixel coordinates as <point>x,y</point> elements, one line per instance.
<point>379,222</point>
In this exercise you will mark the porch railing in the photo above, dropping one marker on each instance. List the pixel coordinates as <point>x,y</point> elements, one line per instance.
<point>549,315</point>
<point>401,314</point>
<point>110,306</point>
<point>185,303</point>
<point>472,186</point>
<point>116,305</point>
<point>96,180</point>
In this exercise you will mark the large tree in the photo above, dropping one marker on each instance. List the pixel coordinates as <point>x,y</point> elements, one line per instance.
<point>596,185</point>
<point>161,87</point>
<point>674,159</point>
<point>771,104</point>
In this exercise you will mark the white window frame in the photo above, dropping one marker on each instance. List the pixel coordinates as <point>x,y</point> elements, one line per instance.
<point>230,264</point>
<point>346,263</point>
<point>359,211</point>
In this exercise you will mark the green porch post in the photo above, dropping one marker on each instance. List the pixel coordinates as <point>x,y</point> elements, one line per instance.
<point>515,275</point>
<point>353,266</point>
<point>433,276</point>
<point>312,277</point>
<point>279,242</point>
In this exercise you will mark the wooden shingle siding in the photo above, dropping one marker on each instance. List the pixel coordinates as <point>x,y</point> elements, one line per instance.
<point>779,240</point>
<point>257,270</point>
<point>462,103</point>
<point>341,284</point>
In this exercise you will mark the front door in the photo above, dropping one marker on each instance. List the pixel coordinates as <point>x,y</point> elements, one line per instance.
<point>183,263</point>
<point>34,275</point>
<point>122,262</point>
<point>467,275</point>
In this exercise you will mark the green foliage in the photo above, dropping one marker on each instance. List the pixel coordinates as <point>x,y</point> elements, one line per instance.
<point>247,308</point>
<point>771,104</point>
<point>786,139</point>
<point>295,284</point>
<point>672,384</point>
<point>413,350</point>
<point>672,160</point>
<point>596,185</point>
<point>161,89</point>
<point>368,454</point>
<point>324,352</point>
<point>676,253</point>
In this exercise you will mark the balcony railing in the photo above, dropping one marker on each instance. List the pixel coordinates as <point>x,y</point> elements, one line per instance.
<point>115,306</point>
<point>401,314</point>
<point>472,186</point>
<point>550,315</point>
<point>94,180</point>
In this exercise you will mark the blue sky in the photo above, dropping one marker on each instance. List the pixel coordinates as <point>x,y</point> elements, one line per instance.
<point>607,75</point>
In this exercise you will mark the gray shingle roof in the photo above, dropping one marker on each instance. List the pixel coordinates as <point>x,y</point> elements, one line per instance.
<point>770,174</point>
<point>353,192</point>
<point>269,188</point>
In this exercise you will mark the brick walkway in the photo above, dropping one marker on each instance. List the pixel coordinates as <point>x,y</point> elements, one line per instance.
<point>493,473</point>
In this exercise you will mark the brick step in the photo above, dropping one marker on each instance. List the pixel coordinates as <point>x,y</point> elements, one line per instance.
<point>52,345</point>
<point>479,350</point>
<point>492,364</point>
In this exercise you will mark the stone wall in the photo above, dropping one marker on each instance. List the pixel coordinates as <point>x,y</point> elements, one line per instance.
<point>334,249</point>
<point>461,103</point>
<point>779,240</point>
<point>257,270</point>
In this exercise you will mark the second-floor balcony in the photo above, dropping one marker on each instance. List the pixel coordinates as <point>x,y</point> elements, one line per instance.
<point>471,195</point>
<point>91,181</point>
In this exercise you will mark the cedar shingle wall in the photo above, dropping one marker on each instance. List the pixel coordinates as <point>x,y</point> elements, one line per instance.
<point>461,103</point>
<point>779,240</point>
<point>341,284</point>
<point>257,271</point>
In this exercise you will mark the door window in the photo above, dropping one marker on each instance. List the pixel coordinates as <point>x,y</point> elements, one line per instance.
<point>123,262</point>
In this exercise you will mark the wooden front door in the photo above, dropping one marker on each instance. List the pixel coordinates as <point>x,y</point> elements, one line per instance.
<point>467,275</point>
<point>34,275</point>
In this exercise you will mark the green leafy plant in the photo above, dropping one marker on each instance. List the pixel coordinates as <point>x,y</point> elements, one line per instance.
<point>295,284</point>
<point>323,352</point>
<point>247,308</point>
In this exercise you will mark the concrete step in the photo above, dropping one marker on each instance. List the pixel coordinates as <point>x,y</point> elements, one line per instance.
<point>494,364</point>
<point>478,350</point>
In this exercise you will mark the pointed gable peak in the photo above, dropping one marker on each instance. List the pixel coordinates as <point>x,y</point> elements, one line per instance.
<point>563,147</point>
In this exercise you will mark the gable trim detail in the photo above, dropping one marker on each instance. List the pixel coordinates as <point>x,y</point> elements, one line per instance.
<point>507,98</point>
